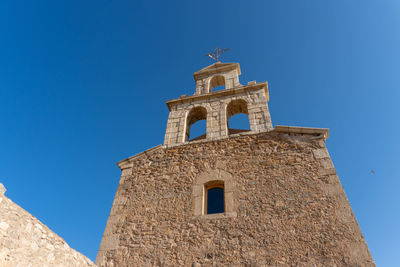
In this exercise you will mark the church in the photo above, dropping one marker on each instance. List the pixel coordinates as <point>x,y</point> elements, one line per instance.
<point>263,196</point>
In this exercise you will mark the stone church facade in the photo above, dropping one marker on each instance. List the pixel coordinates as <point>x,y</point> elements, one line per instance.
<point>281,202</point>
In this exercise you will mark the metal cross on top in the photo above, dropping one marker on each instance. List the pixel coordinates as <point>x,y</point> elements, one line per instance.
<point>217,53</point>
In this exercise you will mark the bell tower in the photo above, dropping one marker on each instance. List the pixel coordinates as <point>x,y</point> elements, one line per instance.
<point>217,107</point>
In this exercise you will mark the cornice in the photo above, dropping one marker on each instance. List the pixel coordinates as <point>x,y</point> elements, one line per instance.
<point>193,98</point>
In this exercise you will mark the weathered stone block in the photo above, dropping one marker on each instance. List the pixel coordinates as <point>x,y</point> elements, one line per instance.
<point>321,153</point>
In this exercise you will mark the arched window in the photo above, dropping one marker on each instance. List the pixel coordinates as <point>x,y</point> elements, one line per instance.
<point>214,199</point>
<point>195,115</point>
<point>213,193</point>
<point>237,117</point>
<point>217,83</point>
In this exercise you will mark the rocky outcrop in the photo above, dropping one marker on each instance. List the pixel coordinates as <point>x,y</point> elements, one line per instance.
<point>25,241</point>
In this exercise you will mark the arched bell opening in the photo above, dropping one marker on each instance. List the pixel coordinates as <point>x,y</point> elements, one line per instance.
<point>196,124</point>
<point>237,117</point>
<point>217,83</point>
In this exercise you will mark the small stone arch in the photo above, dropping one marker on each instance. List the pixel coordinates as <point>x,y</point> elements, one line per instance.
<point>195,114</point>
<point>217,80</point>
<point>234,107</point>
<point>214,176</point>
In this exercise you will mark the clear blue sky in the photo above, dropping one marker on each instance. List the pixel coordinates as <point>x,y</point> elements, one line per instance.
<point>83,86</point>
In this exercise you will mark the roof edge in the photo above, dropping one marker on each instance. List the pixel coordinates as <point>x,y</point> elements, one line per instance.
<point>220,66</point>
<point>278,129</point>
<point>123,164</point>
<point>302,130</point>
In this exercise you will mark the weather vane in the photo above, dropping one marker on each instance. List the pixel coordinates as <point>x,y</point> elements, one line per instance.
<point>217,53</point>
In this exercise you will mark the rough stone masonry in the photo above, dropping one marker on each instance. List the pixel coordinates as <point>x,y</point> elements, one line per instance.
<point>26,242</point>
<point>283,202</point>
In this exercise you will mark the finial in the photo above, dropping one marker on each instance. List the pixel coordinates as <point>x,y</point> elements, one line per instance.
<point>217,53</point>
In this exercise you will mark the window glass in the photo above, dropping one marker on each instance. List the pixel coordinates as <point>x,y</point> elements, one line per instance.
<point>215,200</point>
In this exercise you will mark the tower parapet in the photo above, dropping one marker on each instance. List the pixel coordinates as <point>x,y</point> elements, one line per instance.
<point>217,107</point>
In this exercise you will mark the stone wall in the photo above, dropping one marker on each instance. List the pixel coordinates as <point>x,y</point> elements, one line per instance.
<point>288,207</point>
<point>25,241</point>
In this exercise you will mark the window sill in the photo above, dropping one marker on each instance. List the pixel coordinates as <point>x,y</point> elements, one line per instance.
<point>218,215</point>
